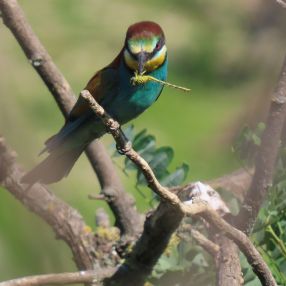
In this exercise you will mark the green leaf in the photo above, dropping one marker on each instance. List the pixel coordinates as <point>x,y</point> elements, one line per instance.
<point>139,137</point>
<point>158,161</point>
<point>260,128</point>
<point>162,157</point>
<point>177,177</point>
<point>144,145</point>
<point>256,140</point>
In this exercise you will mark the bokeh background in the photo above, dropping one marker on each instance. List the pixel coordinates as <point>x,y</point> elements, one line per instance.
<point>228,52</point>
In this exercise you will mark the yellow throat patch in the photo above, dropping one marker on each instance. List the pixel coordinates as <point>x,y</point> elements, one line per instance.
<point>152,64</point>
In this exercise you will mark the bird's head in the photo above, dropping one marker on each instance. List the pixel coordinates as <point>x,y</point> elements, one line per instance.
<point>145,48</point>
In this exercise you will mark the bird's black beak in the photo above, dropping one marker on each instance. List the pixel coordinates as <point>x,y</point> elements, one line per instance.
<point>142,58</point>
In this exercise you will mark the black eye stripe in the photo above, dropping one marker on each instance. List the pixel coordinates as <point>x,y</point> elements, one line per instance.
<point>158,47</point>
<point>128,48</point>
<point>134,57</point>
<point>160,43</point>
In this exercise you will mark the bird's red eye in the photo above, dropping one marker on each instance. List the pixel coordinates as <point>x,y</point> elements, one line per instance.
<point>158,46</point>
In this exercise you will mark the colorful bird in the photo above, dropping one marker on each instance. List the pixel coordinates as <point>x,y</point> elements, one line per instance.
<point>144,51</point>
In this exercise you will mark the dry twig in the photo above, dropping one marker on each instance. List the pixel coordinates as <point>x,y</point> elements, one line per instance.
<point>90,276</point>
<point>201,240</point>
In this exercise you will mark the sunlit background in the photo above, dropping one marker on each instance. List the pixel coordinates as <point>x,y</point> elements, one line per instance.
<point>228,52</point>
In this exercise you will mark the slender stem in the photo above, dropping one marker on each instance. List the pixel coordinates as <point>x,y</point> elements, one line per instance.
<point>92,277</point>
<point>279,242</point>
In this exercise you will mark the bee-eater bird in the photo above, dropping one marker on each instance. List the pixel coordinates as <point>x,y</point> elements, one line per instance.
<point>144,51</point>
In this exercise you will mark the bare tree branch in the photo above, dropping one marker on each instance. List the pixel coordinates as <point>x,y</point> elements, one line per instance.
<point>205,243</point>
<point>237,182</point>
<point>158,228</point>
<point>66,222</point>
<point>243,242</point>
<point>167,197</point>
<point>228,263</point>
<point>224,251</point>
<point>122,204</point>
<point>126,148</point>
<point>140,261</point>
<point>93,277</point>
<point>282,3</point>
<point>201,240</point>
<point>266,157</point>
<point>127,219</point>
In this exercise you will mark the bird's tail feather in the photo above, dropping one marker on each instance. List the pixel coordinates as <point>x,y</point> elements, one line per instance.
<point>54,167</point>
<point>64,148</point>
<point>71,127</point>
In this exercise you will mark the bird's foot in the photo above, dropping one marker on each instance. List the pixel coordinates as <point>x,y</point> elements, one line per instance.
<point>127,147</point>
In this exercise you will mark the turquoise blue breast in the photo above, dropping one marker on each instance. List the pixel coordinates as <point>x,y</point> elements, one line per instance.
<point>132,100</point>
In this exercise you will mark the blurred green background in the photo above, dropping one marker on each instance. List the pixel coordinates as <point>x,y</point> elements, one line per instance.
<point>228,52</point>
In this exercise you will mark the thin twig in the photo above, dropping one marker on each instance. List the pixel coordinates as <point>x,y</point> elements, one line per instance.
<point>205,243</point>
<point>92,277</point>
<point>126,148</point>
<point>200,239</point>
<point>243,242</point>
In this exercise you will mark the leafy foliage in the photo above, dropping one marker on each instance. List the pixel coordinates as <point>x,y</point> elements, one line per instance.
<point>184,260</point>
<point>270,229</point>
<point>269,233</point>
<point>159,158</point>
<point>247,142</point>
<point>181,260</point>
<point>183,263</point>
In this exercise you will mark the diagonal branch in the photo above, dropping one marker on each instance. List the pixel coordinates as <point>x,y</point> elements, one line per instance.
<point>266,157</point>
<point>65,221</point>
<point>126,148</point>
<point>282,3</point>
<point>243,242</point>
<point>122,204</point>
<point>188,232</point>
<point>237,182</point>
<point>170,199</point>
